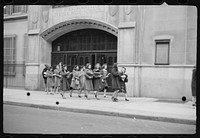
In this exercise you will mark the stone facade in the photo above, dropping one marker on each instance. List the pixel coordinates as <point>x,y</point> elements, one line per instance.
<point>137,28</point>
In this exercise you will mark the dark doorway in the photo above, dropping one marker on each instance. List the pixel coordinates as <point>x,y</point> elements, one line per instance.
<point>85,46</point>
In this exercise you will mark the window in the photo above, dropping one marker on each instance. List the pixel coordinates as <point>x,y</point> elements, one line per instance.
<point>162,52</point>
<point>9,55</point>
<point>13,9</point>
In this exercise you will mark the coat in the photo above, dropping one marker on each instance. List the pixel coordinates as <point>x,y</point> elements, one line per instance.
<point>97,79</point>
<point>193,84</point>
<point>57,77</point>
<point>82,80</point>
<point>88,79</point>
<point>64,81</point>
<point>50,80</point>
<point>115,79</point>
<point>75,82</point>
<point>104,84</point>
<point>123,79</point>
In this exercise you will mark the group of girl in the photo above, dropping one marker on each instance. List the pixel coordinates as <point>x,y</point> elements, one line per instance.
<point>85,79</point>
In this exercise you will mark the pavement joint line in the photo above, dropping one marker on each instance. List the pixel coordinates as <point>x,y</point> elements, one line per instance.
<point>106,113</point>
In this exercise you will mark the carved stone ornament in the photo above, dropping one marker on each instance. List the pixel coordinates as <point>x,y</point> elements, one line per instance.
<point>35,17</point>
<point>128,9</point>
<point>45,16</point>
<point>113,10</point>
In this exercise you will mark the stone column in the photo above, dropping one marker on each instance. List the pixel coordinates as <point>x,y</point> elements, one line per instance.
<point>127,54</point>
<point>35,60</point>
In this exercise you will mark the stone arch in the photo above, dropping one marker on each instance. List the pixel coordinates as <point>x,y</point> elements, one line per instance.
<point>71,25</point>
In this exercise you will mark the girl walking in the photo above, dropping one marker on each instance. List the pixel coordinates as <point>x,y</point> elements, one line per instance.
<point>75,83</point>
<point>105,75</point>
<point>50,82</point>
<point>88,79</point>
<point>97,79</point>
<point>82,81</point>
<point>57,77</point>
<point>64,82</point>
<point>123,80</point>
<point>115,75</point>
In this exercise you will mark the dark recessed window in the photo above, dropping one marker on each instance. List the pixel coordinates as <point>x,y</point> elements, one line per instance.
<point>162,52</point>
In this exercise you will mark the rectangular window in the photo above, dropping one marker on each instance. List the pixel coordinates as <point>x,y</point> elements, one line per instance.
<point>13,9</point>
<point>162,52</point>
<point>9,55</point>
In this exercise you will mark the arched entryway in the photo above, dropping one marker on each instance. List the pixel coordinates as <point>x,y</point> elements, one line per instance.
<point>80,41</point>
<point>85,46</point>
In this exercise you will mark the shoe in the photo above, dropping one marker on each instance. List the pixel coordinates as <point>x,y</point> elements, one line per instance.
<point>126,99</point>
<point>115,100</point>
<point>104,96</point>
<point>87,97</point>
<point>79,96</point>
<point>97,98</point>
<point>70,95</point>
<point>193,104</point>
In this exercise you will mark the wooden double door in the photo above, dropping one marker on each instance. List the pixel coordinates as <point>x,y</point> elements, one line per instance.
<point>72,59</point>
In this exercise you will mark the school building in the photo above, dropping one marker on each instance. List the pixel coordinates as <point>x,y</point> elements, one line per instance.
<point>156,44</point>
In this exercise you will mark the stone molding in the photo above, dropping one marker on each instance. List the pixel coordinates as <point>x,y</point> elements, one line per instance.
<point>64,27</point>
<point>124,25</point>
<point>34,32</point>
<point>32,64</point>
<point>156,66</point>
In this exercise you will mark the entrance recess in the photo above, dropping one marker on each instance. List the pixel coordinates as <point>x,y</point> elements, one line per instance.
<point>85,46</point>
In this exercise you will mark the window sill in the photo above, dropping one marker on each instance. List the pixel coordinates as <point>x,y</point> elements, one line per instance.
<point>17,16</point>
<point>10,74</point>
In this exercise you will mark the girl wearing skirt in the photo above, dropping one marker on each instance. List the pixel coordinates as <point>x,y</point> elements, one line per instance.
<point>57,78</point>
<point>50,82</point>
<point>64,82</point>
<point>82,82</point>
<point>105,75</point>
<point>88,79</point>
<point>123,80</point>
<point>97,79</point>
<point>115,75</point>
<point>75,83</point>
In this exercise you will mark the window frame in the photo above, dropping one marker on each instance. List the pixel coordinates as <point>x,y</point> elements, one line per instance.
<point>13,45</point>
<point>164,41</point>
<point>24,10</point>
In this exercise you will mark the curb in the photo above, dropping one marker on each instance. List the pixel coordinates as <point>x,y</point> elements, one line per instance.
<point>106,113</point>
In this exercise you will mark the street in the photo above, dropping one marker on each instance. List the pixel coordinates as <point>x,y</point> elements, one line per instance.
<point>34,120</point>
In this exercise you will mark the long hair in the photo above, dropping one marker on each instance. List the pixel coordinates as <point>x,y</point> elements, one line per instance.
<point>115,66</point>
<point>76,67</point>
<point>87,65</point>
<point>103,66</point>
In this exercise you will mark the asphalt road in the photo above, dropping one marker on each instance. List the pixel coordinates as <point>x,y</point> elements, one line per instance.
<point>18,119</point>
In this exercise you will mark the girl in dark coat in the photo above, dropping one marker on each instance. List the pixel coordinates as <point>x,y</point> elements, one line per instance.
<point>97,79</point>
<point>115,75</point>
<point>75,83</point>
<point>64,82</point>
<point>105,75</point>
<point>193,85</point>
<point>44,75</point>
<point>123,80</point>
<point>88,79</point>
<point>50,82</point>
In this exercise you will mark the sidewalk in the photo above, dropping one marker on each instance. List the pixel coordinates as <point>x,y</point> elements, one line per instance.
<point>136,108</point>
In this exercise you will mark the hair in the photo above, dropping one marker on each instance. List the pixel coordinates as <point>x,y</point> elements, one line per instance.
<point>115,65</point>
<point>124,68</point>
<point>75,67</point>
<point>96,65</point>
<point>103,66</point>
<point>82,66</point>
<point>87,65</point>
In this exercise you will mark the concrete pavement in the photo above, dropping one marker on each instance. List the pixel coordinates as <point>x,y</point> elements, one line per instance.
<point>136,108</point>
